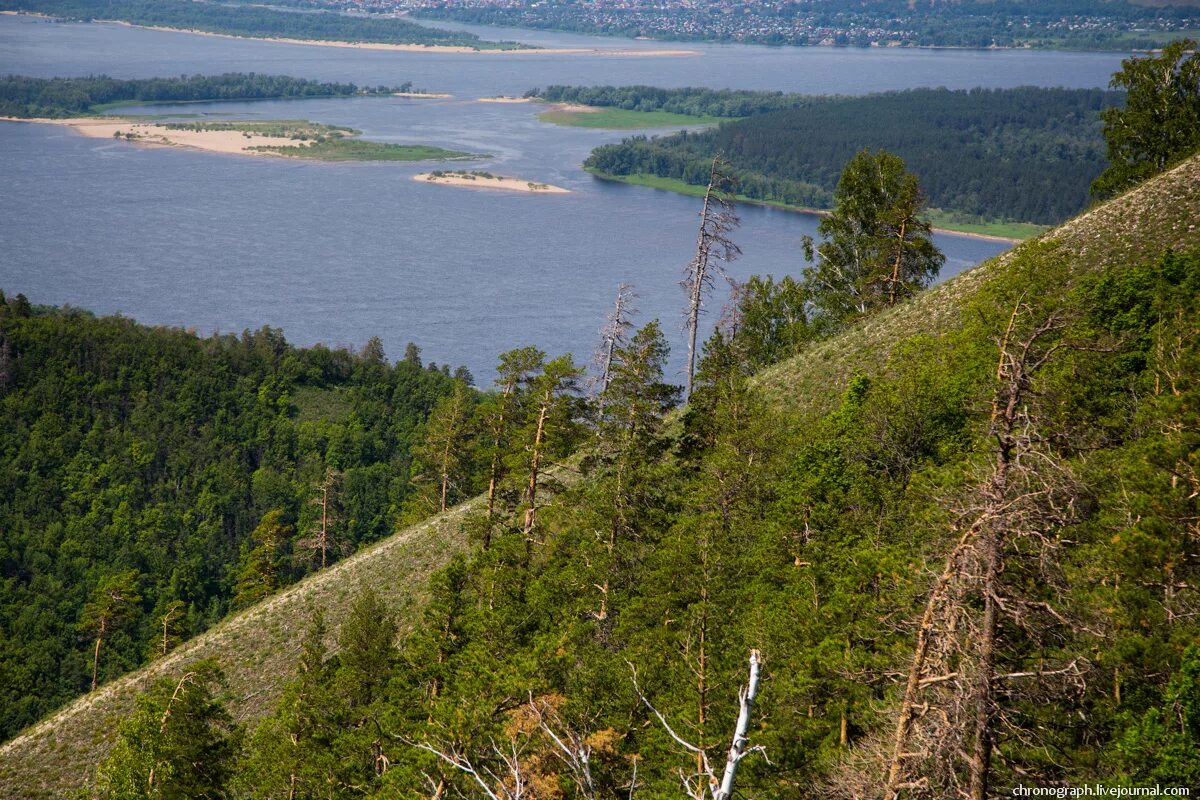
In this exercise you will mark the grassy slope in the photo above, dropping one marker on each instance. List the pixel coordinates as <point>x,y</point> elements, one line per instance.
<point>257,646</point>
<point>1133,228</point>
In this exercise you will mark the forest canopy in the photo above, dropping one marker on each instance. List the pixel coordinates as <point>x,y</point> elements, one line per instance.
<point>22,96</point>
<point>139,467</point>
<point>1026,154</point>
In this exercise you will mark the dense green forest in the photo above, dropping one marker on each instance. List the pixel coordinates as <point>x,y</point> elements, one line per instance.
<point>137,465</point>
<point>551,661</point>
<point>1027,155</point>
<point>253,21</point>
<point>696,101</point>
<point>72,97</point>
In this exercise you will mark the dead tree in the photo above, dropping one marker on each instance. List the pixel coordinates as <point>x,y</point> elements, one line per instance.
<point>946,724</point>
<point>713,247</point>
<point>704,783</point>
<point>320,539</point>
<point>613,336</point>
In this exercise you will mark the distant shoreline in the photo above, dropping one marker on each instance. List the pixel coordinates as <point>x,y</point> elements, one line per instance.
<point>399,48</point>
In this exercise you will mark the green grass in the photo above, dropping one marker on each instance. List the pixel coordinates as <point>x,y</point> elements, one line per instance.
<point>360,150</point>
<point>1016,231</point>
<point>622,120</point>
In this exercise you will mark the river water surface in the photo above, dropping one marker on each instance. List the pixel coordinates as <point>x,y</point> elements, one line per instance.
<point>337,253</point>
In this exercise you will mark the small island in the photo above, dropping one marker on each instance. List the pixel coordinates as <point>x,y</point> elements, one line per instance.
<point>486,180</point>
<point>281,138</point>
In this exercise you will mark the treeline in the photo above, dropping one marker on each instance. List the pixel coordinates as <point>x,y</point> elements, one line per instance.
<point>692,100</point>
<point>66,97</point>
<point>253,21</point>
<point>593,616</point>
<point>137,467</point>
<point>1026,154</point>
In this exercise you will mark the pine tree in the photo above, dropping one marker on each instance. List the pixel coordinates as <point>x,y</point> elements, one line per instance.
<point>442,459</point>
<point>260,575</point>
<point>112,604</point>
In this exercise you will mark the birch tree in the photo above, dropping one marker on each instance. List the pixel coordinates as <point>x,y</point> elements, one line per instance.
<point>714,247</point>
<point>875,250</point>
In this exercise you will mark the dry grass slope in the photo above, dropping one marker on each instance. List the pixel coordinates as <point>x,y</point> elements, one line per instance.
<point>1139,225</point>
<point>256,648</point>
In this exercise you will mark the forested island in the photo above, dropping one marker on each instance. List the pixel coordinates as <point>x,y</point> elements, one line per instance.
<point>22,96</point>
<point>1010,155</point>
<point>256,22</point>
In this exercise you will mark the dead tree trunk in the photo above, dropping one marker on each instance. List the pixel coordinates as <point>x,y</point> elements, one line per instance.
<point>713,245</point>
<point>955,654</point>
<point>612,336</point>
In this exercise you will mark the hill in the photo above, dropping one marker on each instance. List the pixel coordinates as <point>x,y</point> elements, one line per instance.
<point>824,603</point>
<point>255,647</point>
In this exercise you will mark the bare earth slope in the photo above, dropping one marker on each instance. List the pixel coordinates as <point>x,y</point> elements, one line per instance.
<point>256,648</point>
<point>1134,227</point>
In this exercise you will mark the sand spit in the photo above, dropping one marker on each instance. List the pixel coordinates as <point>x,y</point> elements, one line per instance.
<point>423,95</point>
<point>156,135</point>
<point>478,181</point>
<point>506,99</point>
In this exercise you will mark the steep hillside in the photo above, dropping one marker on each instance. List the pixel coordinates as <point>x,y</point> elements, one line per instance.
<point>256,648</point>
<point>1137,226</point>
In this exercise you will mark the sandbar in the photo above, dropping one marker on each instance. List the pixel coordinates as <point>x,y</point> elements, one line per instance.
<point>476,181</point>
<point>157,135</point>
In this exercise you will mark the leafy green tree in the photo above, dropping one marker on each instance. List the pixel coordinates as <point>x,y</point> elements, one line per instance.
<point>876,249</point>
<point>179,744</point>
<point>260,575</point>
<point>1160,122</point>
<point>771,319</point>
<point>112,604</point>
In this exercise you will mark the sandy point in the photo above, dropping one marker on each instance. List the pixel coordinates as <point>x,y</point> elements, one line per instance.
<point>475,180</point>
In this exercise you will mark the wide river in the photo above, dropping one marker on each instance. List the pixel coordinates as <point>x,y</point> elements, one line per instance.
<point>337,253</point>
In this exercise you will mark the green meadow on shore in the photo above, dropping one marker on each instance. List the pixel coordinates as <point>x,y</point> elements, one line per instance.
<point>622,119</point>
<point>1015,231</point>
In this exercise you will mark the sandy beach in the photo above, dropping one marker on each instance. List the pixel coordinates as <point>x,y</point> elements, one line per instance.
<point>490,182</point>
<point>505,99</point>
<point>154,135</point>
<point>423,95</point>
